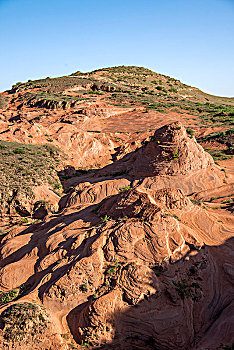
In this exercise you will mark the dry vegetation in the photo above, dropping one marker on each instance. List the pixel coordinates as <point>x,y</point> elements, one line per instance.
<point>25,166</point>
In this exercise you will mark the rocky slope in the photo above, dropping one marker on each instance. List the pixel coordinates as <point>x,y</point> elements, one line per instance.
<point>116,224</point>
<point>94,119</point>
<point>134,260</point>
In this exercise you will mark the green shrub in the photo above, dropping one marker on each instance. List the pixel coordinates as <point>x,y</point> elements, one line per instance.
<point>19,151</point>
<point>6,297</point>
<point>106,218</point>
<point>176,155</point>
<point>84,287</point>
<point>24,220</point>
<point>183,288</point>
<point>23,321</point>
<point>124,189</point>
<point>173,89</point>
<point>84,345</point>
<point>190,132</point>
<point>111,270</point>
<point>160,88</point>
<point>23,166</point>
<point>57,186</point>
<point>219,154</point>
<point>3,232</point>
<point>197,202</point>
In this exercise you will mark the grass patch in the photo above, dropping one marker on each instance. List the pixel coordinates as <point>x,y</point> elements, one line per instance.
<point>219,154</point>
<point>23,321</point>
<point>24,166</point>
<point>106,218</point>
<point>3,101</point>
<point>124,189</point>
<point>6,297</point>
<point>190,132</point>
<point>223,137</point>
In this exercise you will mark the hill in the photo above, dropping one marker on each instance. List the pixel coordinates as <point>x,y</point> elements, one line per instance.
<point>110,111</point>
<point>116,213</point>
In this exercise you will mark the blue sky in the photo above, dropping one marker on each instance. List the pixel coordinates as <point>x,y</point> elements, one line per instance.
<point>191,40</point>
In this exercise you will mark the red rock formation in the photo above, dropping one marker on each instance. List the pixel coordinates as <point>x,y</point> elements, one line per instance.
<point>129,263</point>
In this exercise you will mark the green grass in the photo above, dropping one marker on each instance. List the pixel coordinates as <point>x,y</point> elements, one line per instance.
<point>106,218</point>
<point>24,166</point>
<point>197,202</point>
<point>6,297</point>
<point>3,101</point>
<point>219,154</point>
<point>57,186</point>
<point>53,85</point>
<point>220,136</point>
<point>84,345</point>
<point>223,137</point>
<point>190,132</point>
<point>124,189</point>
<point>131,85</point>
<point>23,321</point>
<point>176,155</point>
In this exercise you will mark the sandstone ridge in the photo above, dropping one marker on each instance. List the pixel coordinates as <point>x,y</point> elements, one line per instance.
<point>135,258</point>
<point>116,211</point>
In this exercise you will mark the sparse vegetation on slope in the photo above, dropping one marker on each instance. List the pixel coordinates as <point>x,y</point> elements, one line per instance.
<point>3,101</point>
<point>122,249</point>
<point>24,321</point>
<point>25,166</point>
<point>135,85</point>
<point>225,138</point>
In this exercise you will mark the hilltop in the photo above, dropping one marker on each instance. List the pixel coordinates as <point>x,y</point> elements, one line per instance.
<point>129,84</point>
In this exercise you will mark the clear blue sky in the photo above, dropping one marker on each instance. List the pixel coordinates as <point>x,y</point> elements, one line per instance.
<point>192,40</point>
